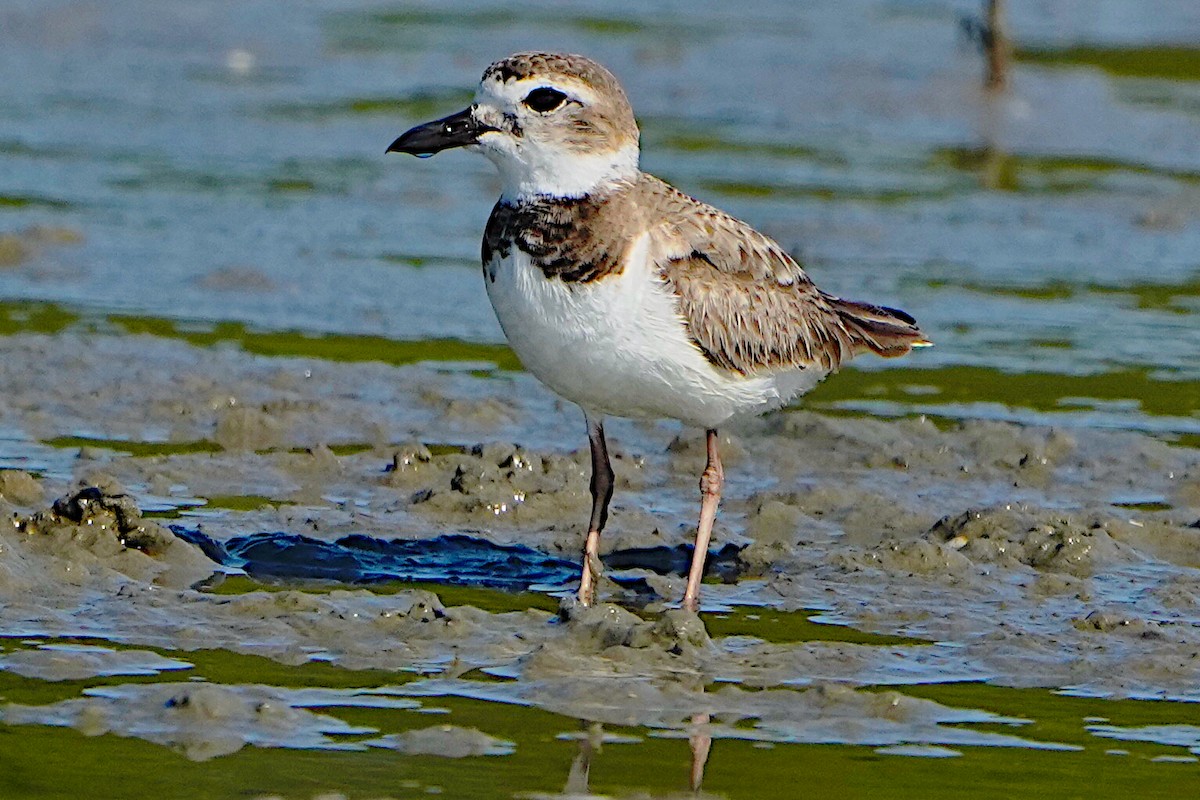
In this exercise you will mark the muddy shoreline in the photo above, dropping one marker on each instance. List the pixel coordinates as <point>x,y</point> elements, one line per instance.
<point>1021,556</point>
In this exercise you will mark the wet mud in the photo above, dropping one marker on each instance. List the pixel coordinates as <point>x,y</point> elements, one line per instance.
<point>988,552</point>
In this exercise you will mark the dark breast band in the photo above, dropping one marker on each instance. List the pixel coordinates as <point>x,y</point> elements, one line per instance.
<point>564,237</point>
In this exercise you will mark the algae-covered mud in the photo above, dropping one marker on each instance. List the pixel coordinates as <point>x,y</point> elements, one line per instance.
<point>281,516</point>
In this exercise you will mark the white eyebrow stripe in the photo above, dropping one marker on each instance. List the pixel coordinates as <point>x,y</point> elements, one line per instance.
<point>514,92</point>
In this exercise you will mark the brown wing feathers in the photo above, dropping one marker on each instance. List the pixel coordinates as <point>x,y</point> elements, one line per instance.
<point>746,324</point>
<point>749,306</point>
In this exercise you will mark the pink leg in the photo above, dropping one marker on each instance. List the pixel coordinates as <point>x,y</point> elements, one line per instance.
<point>710,495</point>
<point>587,580</point>
<point>602,489</point>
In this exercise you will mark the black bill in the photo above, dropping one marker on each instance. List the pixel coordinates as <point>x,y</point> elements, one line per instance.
<point>456,130</point>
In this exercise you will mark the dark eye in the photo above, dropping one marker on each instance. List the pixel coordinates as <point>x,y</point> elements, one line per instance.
<point>544,99</point>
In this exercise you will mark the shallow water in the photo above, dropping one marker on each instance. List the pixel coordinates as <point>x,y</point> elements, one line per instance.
<point>218,296</point>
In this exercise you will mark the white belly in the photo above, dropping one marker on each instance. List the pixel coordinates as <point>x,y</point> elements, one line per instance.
<point>617,346</point>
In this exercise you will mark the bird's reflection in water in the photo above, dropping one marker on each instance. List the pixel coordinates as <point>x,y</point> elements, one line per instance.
<point>700,740</point>
<point>581,765</point>
<point>593,738</point>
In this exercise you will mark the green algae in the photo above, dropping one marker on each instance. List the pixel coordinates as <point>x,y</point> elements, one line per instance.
<point>767,624</point>
<point>331,347</point>
<point>214,665</point>
<point>418,105</point>
<point>684,136</point>
<point>1159,95</point>
<point>445,449</point>
<point>422,260</point>
<point>1185,440</point>
<point>1025,172</point>
<point>51,763</point>
<point>1054,716</point>
<point>136,449</point>
<point>771,625</point>
<point>701,143</point>
<point>330,176</point>
<point>18,317</point>
<point>1147,296</point>
<point>995,169</point>
<point>1050,290</point>
<point>349,448</point>
<point>398,28</point>
<point>21,149</point>
<point>23,201</point>
<point>1152,505</point>
<point>45,762</point>
<point>495,601</point>
<point>154,449</point>
<point>1040,391</point>
<point>242,502</point>
<point>496,17</point>
<point>762,623</point>
<point>815,191</point>
<point>1178,63</point>
<point>1158,296</point>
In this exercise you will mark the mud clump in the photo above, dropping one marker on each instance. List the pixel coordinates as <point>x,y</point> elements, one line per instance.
<point>1025,457</point>
<point>773,529</point>
<point>240,428</point>
<point>100,527</point>
<point>512,493</point>
<point>491,481</point>
<point>200,720</point>
<point>20,488</point>
<point>1116,622</point>
<point>606,625</point>
<point>90,506</point>
<point>81,662</point>
<point>1068,544</point>
<point>1045,540</point>
<point>446,741</point>
<point>487,412</point>
<point>897,557</point>
<point>608,639</point>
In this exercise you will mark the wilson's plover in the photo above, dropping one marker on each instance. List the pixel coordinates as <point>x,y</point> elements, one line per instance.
<point>627,296</point>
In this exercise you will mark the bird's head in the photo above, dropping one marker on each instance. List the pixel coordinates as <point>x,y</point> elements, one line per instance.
<point>554,125</point>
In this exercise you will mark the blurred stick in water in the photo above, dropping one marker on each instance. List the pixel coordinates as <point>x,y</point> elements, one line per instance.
<point>990,34</point>
<point>999,49</point>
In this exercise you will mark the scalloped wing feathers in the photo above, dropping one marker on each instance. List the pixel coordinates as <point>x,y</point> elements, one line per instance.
<point>748,305</point>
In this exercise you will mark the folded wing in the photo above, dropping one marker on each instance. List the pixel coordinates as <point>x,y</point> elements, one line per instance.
<point>750,307</point>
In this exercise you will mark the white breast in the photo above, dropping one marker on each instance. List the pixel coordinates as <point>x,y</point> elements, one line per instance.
<point>617,346</point>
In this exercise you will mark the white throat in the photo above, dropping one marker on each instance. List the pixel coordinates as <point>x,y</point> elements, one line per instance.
<point>539,172</point>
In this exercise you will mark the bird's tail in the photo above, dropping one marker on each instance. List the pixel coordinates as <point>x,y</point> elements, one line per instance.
<point>889,332</point>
